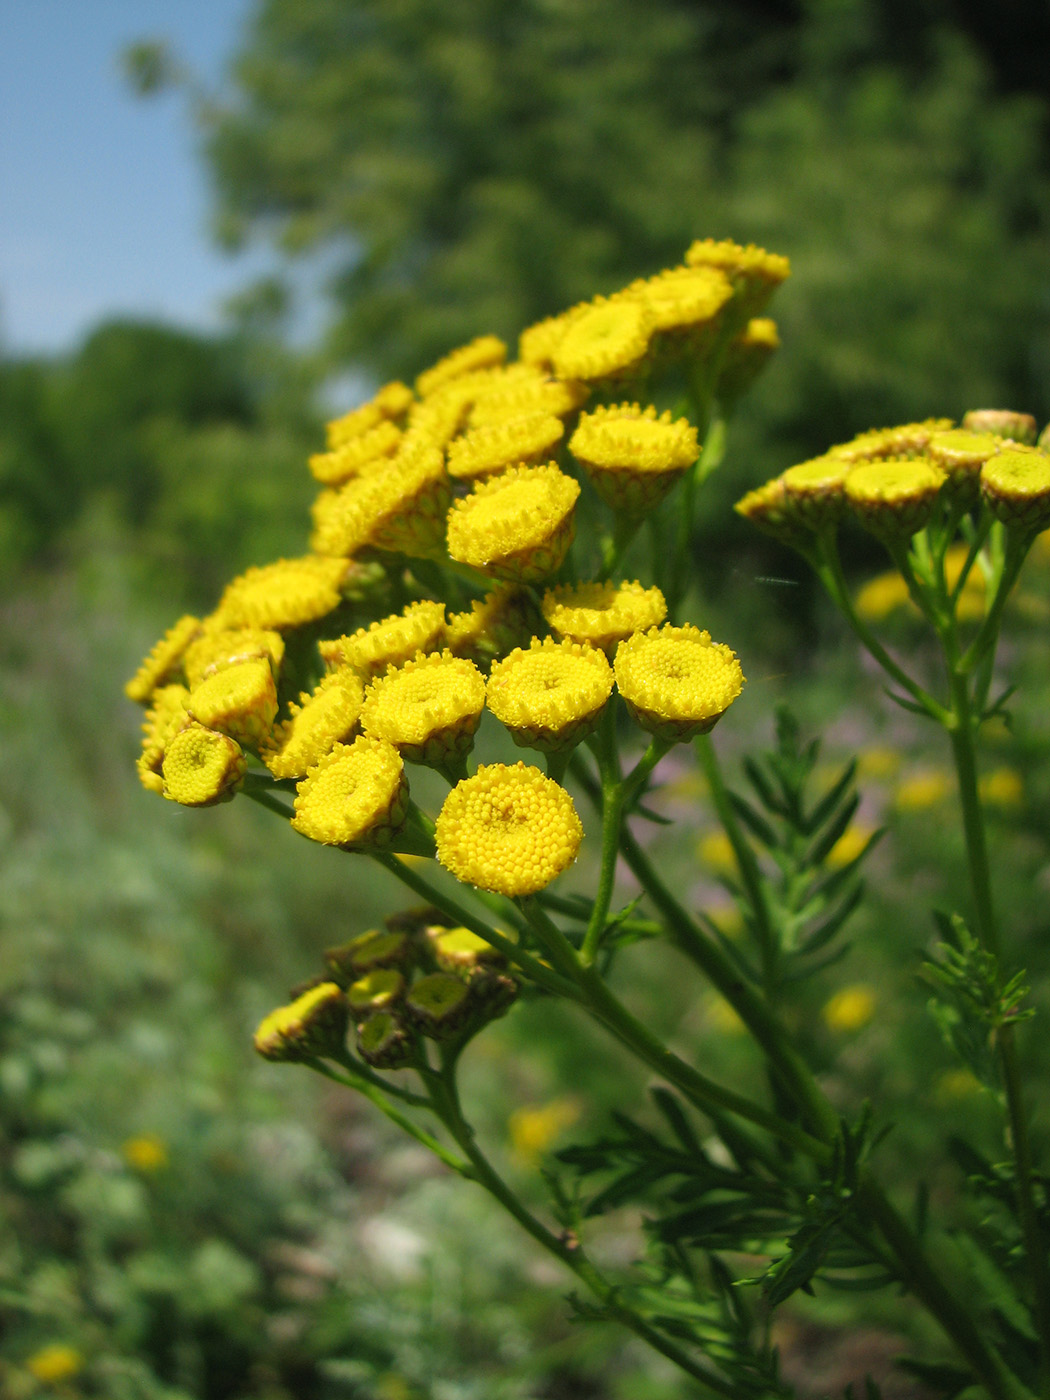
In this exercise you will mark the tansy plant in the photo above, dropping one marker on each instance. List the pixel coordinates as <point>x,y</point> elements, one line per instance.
<point>467,554</point>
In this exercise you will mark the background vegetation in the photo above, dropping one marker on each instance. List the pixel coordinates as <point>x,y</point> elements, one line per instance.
<point>175,1216</point>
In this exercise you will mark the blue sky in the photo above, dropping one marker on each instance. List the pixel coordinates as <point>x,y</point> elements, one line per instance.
<point>103,198</point>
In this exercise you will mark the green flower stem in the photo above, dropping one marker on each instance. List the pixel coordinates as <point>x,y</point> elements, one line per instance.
<point>365,1072</point>
<point>980,534</point>
<point>713,437</point>
<point>616,545</point>
<point>263,793</point>
<point>543,976</point>
<point>828,567</point>
<point>1015,553</point>
<point>696,1087</point>
<point>961,735</point>
<point>351,1080</point>
<point>566,1247</point>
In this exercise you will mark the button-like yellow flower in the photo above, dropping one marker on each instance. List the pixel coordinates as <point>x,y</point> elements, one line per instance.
<point>165,717</point>
<point>312,1025</point>
<point>551,695</point>
<point>357,455</point>
<point>1003,422</point>
<point>682,300</point>
<point>676,682</point>
<point>1016,486</point>
<point>604,340</point>
<point>517,526</point>
<point>632,455</point>
<point>240,700</point>
<point>284,594</point>
<point>429,708</point>
<point>391,402</point>
<point>904,440</point>
<point>389,642</point>
<point>603,614</point>
<point>356,795</point>
<point>164,663</point>
<point>220,647</point>
<point>483,353</point>
<point>524,395</point>
<point>813,490</point>
<point>754,273</point>
<point>202,767</point>
<point>961,454</point>
<point>894,496</point>
<point>322,720</point>
<point>146,1153</point>
<point>510,830</point>
<point>773,511</point>
<point>509,442</point>
<point>401,508</point>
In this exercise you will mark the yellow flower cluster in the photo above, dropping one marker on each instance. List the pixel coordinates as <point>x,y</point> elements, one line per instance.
<point>437,584</point>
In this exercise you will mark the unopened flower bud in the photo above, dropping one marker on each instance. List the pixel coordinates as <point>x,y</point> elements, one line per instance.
<point>368,951</point>
<point>383,1042</point>
<point>894,497</point>
<point>311,1026</point>
<point>459,950</point>
<point>1019,427</point>
<point>438,1004</point>
<point>813,491</point>
<point>375,991</point>
<point>1016,486</point>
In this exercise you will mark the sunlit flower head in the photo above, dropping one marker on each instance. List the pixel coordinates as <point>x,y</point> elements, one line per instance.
<point>1003,422</point>
<point>201,767</point>
<point>893,496</point>
<point>773,511</point>
<point>284,594</point>
<point>510,830</point>
<point>391,402</point>
<point>960,455</point>
<point>312,1025</point>
<point>682,300</point>
<point>552,694</point>
<point>321,720</point>
<point>389,642</point>
<point>428,708</point>
<point>904,440</point>
<point>754,273</point>
<point>165,717</point>
<point>485,352</point>
<point>676,682</point>
<point>355,795</point>
<point>1016,487</point>
<point>495,446</point>
<point>401,508</point>
<point>604,340</point>
<point>632,455</point>
<point>517,526</point>
<point>850,1009</point>
<point>240,700</point>
<point>164,663</point>
<point>220,647</point>
<point>519,397</point>
<point>356,456</point>
<point>602,614</point>
<point>813,490</point>
<point>146,1153</point>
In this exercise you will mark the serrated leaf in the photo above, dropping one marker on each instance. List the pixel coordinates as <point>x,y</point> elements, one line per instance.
<point>827,804</point>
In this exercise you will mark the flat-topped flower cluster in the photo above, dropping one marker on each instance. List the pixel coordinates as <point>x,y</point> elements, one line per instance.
<point>440,552</point>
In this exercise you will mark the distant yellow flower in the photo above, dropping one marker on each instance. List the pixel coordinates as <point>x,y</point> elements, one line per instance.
<point>428,708</point>
<point>356,456</point>
<point>972,602</point>
<point>484,352</point>
<point>313,1024</point>
<point>533,1130</point>
<point>603,614</point>
<point>322,719</point>
<point>510,442</point>
<point>716,850</point>
<point>388,642</point>
<point>201,767</point>
<point>725,1017</point>
<point>1016,487</point>
<point>53,1364</point>
<point>287,593</point>
<point>894,495</point>
<point>924,789</point>
<point>392,401</point>
<point>632,455</point>
<point>676,682</point>
<point>164,663</point>
<point>850,845</point>
<point>146,1153</point>
<point>510,830</point>
<point>604,340</point>
<point>355,795</point>
<point>240,700</point>
<point>881,596</point>
<point>955,1084</point>
<point>850,1009</point>
<point>550,695</point>
<point>220,647</point>
<point>517,526</point>
<point>1002,787</point>
<point>876,762</point>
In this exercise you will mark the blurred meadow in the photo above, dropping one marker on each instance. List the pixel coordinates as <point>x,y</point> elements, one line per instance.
<point>180,1219</point>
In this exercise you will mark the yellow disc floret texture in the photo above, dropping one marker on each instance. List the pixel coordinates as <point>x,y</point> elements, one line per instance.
<point>201,767</point>
<point>356,795</point>
<point>429,708</point>
<point>509,830</point>
<point>552,694</point>
<point>287,593</point>
<point>603,614</point>
<point>677,682</point>
<point>517,526</point>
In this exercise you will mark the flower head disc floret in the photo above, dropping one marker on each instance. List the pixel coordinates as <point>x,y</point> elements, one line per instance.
<point>633,456</point>
<point>356,795</point>
<point>240,700</point>
<point>551,695</point>
<point>603,614</point>
<point>314,726</point>
<point>389,642</point>
<point>285,594</point>
<point>604,340</point>
<point>164,718</point>
<point>894,496</point>
<point>164,663</point>
<point>486,352</point>
<point>509,830</point>
<point>493,447</point>
<point>219,647</point>
<point>1016,486</point>
<point>517,526</point>
<point>400,508</point>
<point>202,767</point>
<point>676,682</point>
<point>429,708</point>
